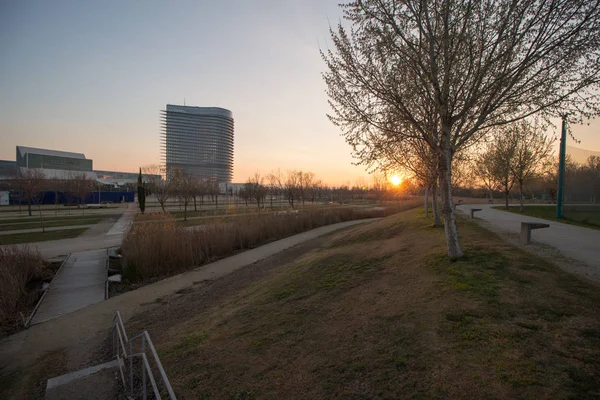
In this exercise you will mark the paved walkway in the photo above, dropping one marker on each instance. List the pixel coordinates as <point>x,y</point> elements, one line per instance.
<point>100,238</point>
<point>575,242</point>
<point>79,283</point>
<point>26,346</point>
<point>50,229</point>
<point>124,223</point>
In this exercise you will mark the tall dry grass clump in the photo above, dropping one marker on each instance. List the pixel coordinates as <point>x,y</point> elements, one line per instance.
<point>18,266</point>
<point>159,249</point>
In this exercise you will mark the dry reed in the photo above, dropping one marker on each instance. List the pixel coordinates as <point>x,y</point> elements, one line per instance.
<point>18,266</point>
<point>159,249</point>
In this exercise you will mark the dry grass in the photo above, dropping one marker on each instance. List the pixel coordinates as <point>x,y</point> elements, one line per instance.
<point>159,249</point>
<point>18,267</point>
<point>378,311</point>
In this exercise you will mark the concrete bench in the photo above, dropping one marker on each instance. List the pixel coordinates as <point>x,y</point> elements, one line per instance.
<point>473,211</point>
<point>458,203</point>
<point>112,253</point>
<point>526,228</point>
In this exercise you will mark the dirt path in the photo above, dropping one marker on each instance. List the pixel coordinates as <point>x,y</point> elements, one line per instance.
<point>87,328</point>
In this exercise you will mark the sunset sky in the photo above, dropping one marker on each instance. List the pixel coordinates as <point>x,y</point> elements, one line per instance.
<point>91,77</point>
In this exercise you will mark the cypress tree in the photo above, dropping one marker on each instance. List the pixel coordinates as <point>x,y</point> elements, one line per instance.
<point>141,192</point>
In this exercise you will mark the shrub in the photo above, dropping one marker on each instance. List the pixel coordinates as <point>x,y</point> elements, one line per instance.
<point>18,266</point>
<point>158,249</point>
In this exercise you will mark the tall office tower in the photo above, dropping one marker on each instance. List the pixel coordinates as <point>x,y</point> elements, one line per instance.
<point>199,140</point>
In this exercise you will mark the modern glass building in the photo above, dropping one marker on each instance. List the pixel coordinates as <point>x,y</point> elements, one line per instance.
<point>199,140</point>
<point>30,157</point>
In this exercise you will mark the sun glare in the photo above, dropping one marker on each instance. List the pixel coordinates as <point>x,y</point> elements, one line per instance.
<point>395,180</point>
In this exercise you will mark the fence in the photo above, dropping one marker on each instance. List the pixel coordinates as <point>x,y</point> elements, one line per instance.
<point>137,366</point>
<point>582,186</point>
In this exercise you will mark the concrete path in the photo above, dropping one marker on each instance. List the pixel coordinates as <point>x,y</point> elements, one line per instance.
<point>26,346</point>
<point>49,229</point>
<point>124,223</point>
<point>575,242</point>
<point>79,283</point>
<point>100,238</point>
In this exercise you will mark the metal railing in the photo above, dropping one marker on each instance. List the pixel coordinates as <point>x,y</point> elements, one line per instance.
<point>121,343</point>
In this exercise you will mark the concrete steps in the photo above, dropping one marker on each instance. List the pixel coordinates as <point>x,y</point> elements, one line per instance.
<point>99,382</point>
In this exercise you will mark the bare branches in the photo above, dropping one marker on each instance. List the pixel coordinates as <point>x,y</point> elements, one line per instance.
<point>445,73</point>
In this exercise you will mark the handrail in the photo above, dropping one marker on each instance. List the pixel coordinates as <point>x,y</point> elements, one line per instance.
<point>146,369</point>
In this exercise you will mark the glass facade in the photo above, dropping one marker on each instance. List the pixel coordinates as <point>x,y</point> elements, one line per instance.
<point>7,168</point>
<point>56,162</point>
<point>30,157</point>
<point>199,140</point>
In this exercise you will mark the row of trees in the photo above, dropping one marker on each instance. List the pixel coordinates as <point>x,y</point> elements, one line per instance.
<point>432,79</point>
<point>178,184</point>
<point>519,153</point>
<point>30,185</point>
<point>295,187</point>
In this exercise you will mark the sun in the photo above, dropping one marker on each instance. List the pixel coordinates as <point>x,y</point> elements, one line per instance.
<point>396,180</point>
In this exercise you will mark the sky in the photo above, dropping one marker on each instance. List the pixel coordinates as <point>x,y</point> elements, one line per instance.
<point>92,76</point>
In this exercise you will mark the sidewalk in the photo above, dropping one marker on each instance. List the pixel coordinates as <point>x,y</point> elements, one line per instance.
<point>576,242</point>
<point>25,346</point>
<point>106,238</point>
<point>79,283</point>
<point>124,223</point>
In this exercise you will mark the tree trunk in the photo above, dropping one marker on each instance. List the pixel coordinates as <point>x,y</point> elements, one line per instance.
<point>162,205</point>
<point>185,210</point>
<point>41,217</point>
<point>437,220</point>
<point>521,208</point>
<point>426,202</point>
<point>217,201</point>
<point>506,199</point>
<point>29,206</point>
<point>452,241</point>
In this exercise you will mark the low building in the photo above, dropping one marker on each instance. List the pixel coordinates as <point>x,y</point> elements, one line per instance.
<point>31,157</point>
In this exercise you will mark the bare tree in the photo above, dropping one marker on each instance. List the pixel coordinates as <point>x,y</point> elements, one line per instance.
<point>531,154</point>
<point>213,190</point>
<point>484,166</point>
<point>501,156</point>
<point>291,185</point>
<point>450,71</point>
<point>80,185</point>
<point>31,184</point>
<point>276,184</point>
<point>414,157</point>
<point>184,186</point>
<point>254,188</point>
<point>305,181</point>
<point>159,184</point>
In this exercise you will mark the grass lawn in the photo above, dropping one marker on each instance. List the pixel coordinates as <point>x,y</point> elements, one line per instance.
<point>580,217</point>
<point>50,223</point>
<point>40,236</point>
<point>378,311</point>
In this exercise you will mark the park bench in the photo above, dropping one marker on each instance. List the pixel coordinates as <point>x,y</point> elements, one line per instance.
<point>458,203</point>
<point>527,227</point>
<point>113,254</point>
<point>473,211</point>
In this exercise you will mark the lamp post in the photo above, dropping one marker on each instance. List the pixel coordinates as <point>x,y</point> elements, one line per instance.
<point>561,169</point>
